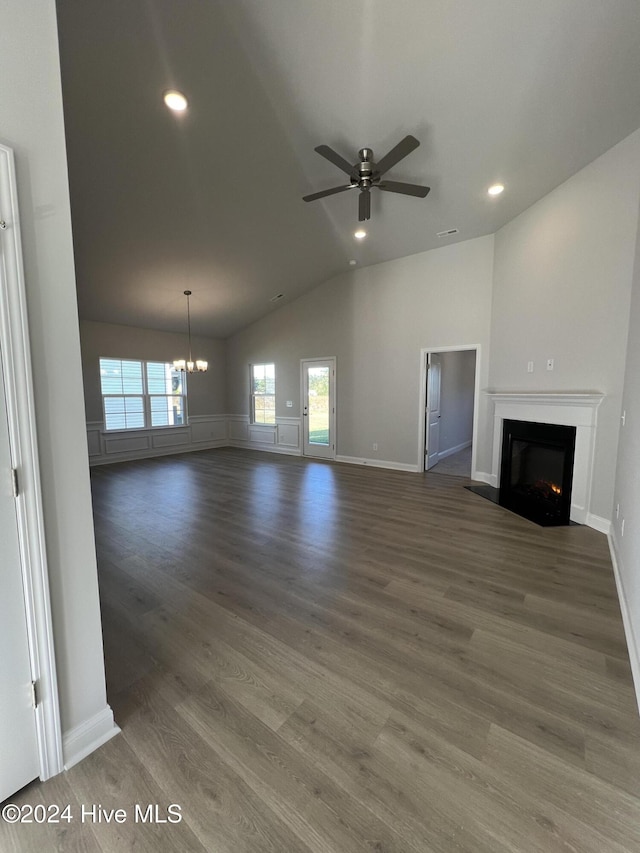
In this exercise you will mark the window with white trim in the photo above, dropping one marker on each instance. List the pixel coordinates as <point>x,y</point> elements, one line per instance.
<point>141,394</point>
<point>263,393</point>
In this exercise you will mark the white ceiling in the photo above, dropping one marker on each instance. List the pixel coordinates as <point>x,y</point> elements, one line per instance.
<point>512,90</point>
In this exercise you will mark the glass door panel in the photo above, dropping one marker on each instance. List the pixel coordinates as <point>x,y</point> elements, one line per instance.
<point>318,383</point>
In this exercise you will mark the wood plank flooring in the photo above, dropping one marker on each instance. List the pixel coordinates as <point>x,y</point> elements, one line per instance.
<point>318,658</point>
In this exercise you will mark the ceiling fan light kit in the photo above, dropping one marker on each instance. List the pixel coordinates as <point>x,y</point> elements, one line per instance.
<point>366,174</point>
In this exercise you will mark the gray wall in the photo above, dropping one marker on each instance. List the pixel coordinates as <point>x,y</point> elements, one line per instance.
<point>375,321</point>
<point>627,485</point>
<point>457,387</point>
<point>206,392</point>
<point>562,286</point>
<point>31,123</point>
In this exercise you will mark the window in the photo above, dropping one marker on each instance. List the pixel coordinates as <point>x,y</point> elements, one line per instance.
<point>263,393</point>
<point>139,394</point>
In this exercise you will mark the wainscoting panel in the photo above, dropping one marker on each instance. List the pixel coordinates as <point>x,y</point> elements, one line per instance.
<point>93,438</point>
<point>213,428</point>
<point>262,434</point>
<point>289,434</point>
<point>202,432</point>
<point>168,438</point>
<point>282,437</point>
<point>127,444</point>
<point>238,427</point>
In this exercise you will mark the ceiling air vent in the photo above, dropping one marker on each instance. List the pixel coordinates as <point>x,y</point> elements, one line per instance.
<point>447,233</point>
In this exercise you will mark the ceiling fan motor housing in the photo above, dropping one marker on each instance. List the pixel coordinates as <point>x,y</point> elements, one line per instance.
<point>365,169</point>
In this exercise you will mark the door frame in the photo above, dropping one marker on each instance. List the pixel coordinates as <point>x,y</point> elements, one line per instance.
<point>332,425</point>
<point>422,398</point>
<point>14,339</point>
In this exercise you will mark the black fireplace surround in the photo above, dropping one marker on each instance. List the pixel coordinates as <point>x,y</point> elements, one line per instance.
<point>536,471</point>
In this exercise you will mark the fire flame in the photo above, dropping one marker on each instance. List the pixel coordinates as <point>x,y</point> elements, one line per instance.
<point>555,489</point>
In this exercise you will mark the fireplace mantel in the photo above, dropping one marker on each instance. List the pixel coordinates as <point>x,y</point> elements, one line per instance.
<point>572,408</point>
<point>588,399</point>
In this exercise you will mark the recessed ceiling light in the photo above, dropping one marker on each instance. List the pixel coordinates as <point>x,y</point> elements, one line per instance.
<point>175,100</point>
<point>360,235</point>
<point>496,189</point>
<point>352,263</point>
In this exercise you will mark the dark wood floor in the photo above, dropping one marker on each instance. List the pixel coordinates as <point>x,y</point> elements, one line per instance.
<point>308,656</point>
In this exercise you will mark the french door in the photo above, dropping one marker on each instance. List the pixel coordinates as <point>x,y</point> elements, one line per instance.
<point>318,407</point>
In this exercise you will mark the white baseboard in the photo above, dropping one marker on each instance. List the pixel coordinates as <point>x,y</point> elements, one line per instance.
<point>603,525</point>
<point>483,477</point>
<point>264,448</point>
<point>88,736</point>
<point>452,450</point>
<point>378,463</point>
<point>632,646</point>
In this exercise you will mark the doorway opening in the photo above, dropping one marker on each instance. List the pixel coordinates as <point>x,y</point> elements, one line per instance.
<point>449,394</point>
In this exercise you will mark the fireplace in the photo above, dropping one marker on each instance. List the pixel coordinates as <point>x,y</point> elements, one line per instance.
<point>536,470</point>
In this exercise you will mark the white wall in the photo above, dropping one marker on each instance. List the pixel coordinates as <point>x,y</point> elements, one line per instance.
<point>31,123</point>
<point>626,547</point>
<point>206,391</point>
<point>375,321</point>
<point>562,286</point>
<point>457,388</point>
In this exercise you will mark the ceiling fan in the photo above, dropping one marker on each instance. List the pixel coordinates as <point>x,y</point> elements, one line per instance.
<point>366,174</point>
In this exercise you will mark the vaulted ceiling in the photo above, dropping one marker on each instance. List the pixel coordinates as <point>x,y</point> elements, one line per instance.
<point>525,93</point>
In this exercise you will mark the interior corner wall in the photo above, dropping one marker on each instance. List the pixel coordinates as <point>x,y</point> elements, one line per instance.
<point>206,392</point>
<point>562,285</point>
<point>457,388</point>
<point>626,540</point>
<point>375,322</point>
<point>31,123</point>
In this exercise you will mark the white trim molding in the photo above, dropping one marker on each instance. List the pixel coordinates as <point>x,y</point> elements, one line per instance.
<point>422,402</point>
<point>14,339</point>
<point>282,437</point>
<point>632,645</point>
<point>201,433</point>
<point>88,736</point>
<point>570,408</point>
<point>444,454</point>
<point>378,463</point>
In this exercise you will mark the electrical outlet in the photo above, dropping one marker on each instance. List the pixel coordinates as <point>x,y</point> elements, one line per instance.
<point>549,364</point>
<point>375,446</point>
<point>529,367</point>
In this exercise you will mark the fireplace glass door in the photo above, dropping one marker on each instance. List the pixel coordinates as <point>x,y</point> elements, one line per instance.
<point>537,470</point>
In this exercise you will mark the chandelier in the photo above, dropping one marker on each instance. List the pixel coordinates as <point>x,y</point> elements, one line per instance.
<point>188,365</point>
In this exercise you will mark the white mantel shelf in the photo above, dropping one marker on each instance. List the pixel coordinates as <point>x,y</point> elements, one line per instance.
<point>590,399</point>
<point>571,408</point>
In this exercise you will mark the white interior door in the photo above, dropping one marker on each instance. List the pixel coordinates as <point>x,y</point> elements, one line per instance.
<point>318,407</point>
<point>19,758</point>
<point>432,421</point>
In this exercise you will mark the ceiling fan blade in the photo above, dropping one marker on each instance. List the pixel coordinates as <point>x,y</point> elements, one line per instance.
<point>324,193</point>
<point>364,206</point>
<point>404,147</point>
<point>333,157</point>
<point>405,189</point>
